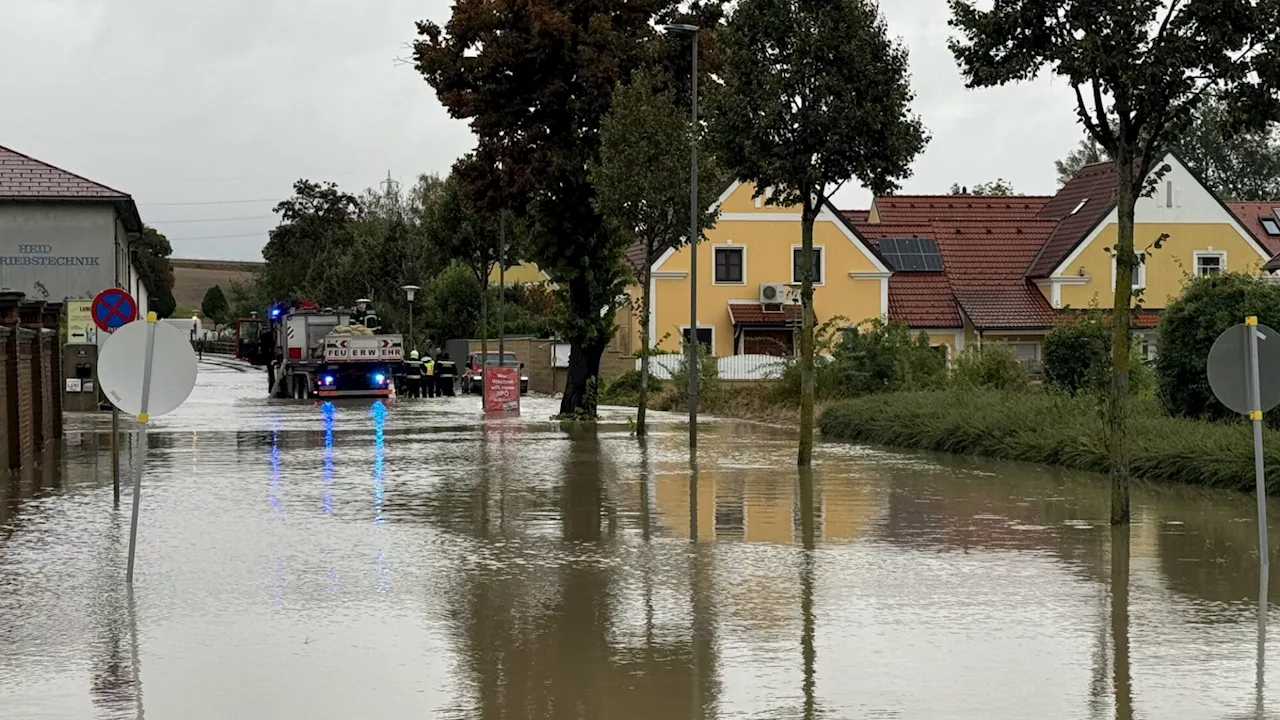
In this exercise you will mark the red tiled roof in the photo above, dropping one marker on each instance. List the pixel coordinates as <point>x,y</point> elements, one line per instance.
<point>922,300</point>
<point>914,209</point>
<point>1250,215</point>
<point>755,314</point>
<point>25,177</point>
<point>635,258</point>
<point>874,232</point>
<point>856,216</point>
<point>1096,186</point>
<point>985,263</point>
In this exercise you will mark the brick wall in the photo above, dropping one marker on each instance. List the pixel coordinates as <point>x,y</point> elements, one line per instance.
<point>5,335</point>
<point>50,390</point>
<point>26,396</point>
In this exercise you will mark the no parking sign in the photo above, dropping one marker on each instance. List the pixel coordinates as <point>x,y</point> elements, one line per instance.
<point>113,308</point>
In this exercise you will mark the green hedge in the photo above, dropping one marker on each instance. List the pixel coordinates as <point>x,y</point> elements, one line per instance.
<point>1054,429</point>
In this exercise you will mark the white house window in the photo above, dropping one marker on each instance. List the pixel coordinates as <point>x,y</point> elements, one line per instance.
<point>797,254</point>
<point>1270,225</point>
<point>1139,275</point>
<point>1210,263</point>
<point>728,265</point>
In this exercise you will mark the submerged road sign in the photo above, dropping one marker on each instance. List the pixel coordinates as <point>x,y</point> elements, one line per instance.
<point>114,308</point>
<point>146,368</point>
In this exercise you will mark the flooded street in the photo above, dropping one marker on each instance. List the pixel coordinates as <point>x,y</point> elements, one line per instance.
<point>412,561</point>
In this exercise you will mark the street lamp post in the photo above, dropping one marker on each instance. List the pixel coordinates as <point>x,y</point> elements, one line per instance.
<point>409,292</point>
<point>694,368</point>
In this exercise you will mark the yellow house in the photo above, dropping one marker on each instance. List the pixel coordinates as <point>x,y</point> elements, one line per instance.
<point>1012,265</point>
<point>748,284</point>
<point>525,273</point>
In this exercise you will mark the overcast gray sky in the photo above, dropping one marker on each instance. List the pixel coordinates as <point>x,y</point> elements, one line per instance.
<point>189,101</point>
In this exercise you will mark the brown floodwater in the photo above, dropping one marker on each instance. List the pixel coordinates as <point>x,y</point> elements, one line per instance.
<point>411,560</point>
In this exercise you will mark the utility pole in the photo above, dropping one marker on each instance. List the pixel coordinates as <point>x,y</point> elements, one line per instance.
<point>502,287</point>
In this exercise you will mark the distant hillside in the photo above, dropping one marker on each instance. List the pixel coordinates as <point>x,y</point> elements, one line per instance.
<point>192,278</point>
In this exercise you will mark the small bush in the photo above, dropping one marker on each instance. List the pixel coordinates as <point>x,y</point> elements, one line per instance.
<point>1208,305</point>
<point>993,366</point>
<point>708,377</point>
<point>1077,355</point>
<point>1054,429</point>
<point>878,357</point>
<point>625,389</point>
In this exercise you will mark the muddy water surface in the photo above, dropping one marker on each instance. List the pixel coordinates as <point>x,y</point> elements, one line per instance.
<point>413,561</point>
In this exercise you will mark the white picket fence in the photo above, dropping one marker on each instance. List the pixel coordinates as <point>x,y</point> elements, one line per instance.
<point>732,367</point>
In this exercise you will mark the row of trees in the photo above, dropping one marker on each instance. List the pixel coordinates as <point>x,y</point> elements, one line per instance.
<point>579,109</point>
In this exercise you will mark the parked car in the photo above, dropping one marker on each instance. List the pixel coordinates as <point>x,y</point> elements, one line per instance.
<point>473,381</point>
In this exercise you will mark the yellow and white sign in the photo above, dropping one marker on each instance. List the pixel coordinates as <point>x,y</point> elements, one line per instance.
<point>80,327</point>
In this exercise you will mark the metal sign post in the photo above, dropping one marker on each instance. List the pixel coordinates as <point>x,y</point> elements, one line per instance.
<point>169,366</point>
<point>1255,415</point>
<point>110,310</point>
<point>1244,373</point>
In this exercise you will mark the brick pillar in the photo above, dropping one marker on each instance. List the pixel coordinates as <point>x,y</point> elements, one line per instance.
<point>9,319</point>
<point>31,313</point>
<point>52,319</point>
<point>5,337</point>
<point>26,341</point>
<point>49,387</point>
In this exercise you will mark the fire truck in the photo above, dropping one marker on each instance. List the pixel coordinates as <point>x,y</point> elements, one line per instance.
<point>310,351</point>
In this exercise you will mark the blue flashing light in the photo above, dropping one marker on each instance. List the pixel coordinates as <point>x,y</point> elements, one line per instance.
<point>275,312</point>
<point>379,379</point>
<point>328,379</point>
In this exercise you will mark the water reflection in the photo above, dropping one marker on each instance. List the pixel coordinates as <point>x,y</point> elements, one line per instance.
<point>559,571</point>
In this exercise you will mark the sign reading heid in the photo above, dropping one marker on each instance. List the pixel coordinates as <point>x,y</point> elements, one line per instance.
<point>31,255</point>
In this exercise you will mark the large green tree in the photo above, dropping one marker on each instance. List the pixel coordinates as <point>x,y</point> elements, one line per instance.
<point>215,306</point>
<point>1139,70</point>
<point>151,253</point>
<point>815,94</point>
<point>642,186</point>
<point>535,78</point>
<point>307,254</point>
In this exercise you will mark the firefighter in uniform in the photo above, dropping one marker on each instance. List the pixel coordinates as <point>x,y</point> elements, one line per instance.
<point>429,377</point>
<point>413,376</point>
<point>446,373</point>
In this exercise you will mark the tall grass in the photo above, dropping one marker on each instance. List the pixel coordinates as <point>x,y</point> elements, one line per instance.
<point>1054,429</point>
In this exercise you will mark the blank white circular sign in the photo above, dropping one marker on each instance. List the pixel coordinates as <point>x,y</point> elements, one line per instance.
<point>173,368</point>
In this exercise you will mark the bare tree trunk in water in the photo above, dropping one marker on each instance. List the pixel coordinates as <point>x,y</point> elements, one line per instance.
<point>644,340</point>
<point>1120,679</point>
<point>805,455</point>
<point>484,337</point>
<point>584,354</point>
<point>1118,395</point>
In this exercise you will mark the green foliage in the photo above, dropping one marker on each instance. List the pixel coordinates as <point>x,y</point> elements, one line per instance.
<point>709,386</point>
<point>999,186</point>
<point>151,253</point>
<point>1077,355</point>
<point>1235,165</point>
<point>452,305</point>
<point>625,389</point>
<point>641,179</point>
<point>1087,152</point>
<point>1188,327</point>
<point>535,80</point>
<point>215,307</point>
<point>1054,429</point>
<point>306,252</point>
<point>246,298</point>
<point>529,310</point>
<point>815,93</point>
<point>992,366</point>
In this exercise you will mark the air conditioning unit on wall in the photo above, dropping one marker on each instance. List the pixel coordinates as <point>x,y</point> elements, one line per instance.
<point>777,294</point>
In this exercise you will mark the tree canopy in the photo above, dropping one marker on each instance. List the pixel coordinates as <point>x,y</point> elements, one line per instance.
<point>1087,152</point>
<point>1236,165</point>
<point>534,79</point>
<point>215,306</point>
<point>814,94</point>
<point>151,253</point>
<point>999,186</point>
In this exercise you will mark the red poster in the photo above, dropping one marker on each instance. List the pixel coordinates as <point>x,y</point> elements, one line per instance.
<point>501,389</point>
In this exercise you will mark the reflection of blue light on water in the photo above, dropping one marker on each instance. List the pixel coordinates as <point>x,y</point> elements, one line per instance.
<point>273,492</point>
<point>379,413</point>
<point>329,412</point>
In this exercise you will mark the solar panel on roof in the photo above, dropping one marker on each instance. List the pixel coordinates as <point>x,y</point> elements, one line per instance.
<point>912,254</point>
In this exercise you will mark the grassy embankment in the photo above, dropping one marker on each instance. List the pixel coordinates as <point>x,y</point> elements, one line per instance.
<point>1054,429</point>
